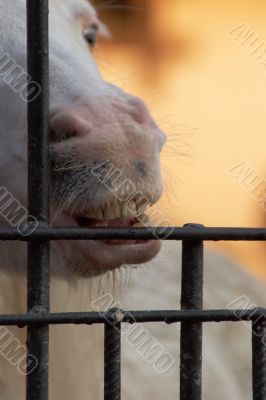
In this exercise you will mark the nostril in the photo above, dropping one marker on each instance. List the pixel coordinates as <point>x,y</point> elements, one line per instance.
<point>67,134</point>
<point>62,135</point>
<point>140,167</point>
<point>67,124</point>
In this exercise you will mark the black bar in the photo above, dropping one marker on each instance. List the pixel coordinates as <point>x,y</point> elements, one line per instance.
<point>167,316</point>
<point>259,358</point>
<point>38,194</point>
<point>112,356</point>
<point>72,233</point>
<point>191,332</point>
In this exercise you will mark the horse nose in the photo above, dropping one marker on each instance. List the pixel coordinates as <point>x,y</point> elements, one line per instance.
<point>127,120</point>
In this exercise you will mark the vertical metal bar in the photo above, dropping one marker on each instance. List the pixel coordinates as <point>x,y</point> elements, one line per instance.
<point>112,358</point>
<point>38,193</point>
<point>259,359</point>
<point>191,333</point>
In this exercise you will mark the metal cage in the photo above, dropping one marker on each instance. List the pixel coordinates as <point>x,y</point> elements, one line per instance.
<point>38,318</point>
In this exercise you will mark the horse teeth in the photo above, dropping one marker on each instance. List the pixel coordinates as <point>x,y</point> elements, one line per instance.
<point>99,214</point>
<point>139,225</point>
<point>106,212</point>
<point>142,207</point>
<point>112,212</point>
<point>124,212</point>
<point>131,209</point>
<point>116,211</point>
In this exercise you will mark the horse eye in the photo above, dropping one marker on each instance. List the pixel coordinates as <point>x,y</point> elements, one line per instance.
<point>91,36</point>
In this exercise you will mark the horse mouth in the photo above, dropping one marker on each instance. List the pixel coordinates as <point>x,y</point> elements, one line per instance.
<point>114,223</point>
<point>104,255</point>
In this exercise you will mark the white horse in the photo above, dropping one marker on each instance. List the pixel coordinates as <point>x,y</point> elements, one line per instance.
<point>105,150</point>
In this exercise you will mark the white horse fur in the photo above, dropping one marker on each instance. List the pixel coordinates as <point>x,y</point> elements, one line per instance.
<point>105,123</point>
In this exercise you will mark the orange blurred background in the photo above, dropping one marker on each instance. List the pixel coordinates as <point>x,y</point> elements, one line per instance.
<point>195,65</point>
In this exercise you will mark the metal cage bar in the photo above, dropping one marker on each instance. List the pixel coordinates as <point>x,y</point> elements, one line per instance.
<point>38,195</point>
<point>259,358</point>
<point>171,233</point>
<point>191,331</point>
<point>112,356</point>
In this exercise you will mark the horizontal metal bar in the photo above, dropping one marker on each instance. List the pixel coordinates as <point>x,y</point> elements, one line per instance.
<point>186,233</point>
<point>167,316</point>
